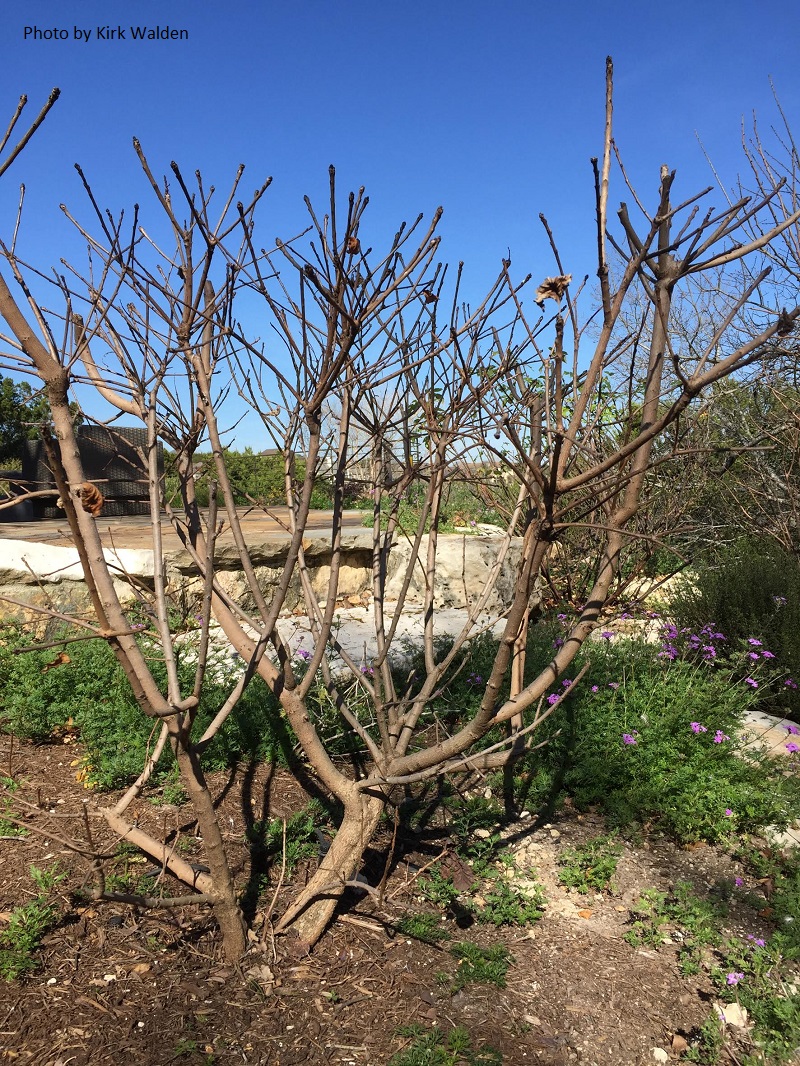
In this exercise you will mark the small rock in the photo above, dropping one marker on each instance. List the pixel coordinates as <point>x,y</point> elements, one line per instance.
<point>679,1044</point>
<point>482,834</point>
<point>554,833</point>
<point>734,1015</point>
<point>659,1054</point>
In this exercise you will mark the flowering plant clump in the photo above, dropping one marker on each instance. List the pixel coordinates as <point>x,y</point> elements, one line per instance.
<point>654,739</point>
<point>685,643</point>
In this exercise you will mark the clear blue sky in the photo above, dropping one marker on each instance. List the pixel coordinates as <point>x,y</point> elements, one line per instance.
<point>491,110</point>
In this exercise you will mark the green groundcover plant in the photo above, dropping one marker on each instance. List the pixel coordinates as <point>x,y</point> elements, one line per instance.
<point>651,735</point>
<point>27,926</point>
<point>90,694</point>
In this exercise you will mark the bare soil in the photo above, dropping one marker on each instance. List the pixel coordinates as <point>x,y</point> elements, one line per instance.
<point>116,985</point>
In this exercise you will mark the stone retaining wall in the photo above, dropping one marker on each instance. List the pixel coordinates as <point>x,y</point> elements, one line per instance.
<point>48,576</point>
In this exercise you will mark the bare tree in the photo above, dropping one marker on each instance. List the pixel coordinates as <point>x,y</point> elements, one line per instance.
<point>385,345</point>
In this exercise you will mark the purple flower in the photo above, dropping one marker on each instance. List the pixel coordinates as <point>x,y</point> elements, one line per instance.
<point>734,978</point>
<point>614,685</point>
<point>768,654</point>
<point>607,634</point>
<point>303,653</point>
<point>779,601</point>
<point>474,679</point>
<point>739,881</point>
<point>757,940</point>
<point>626,614</point>
<point>558,642</point>
<point>749,681</point>
<point>753,655</point>
<point>753,642</point>
<point>566,682</point>
<point>709,651</point>
<point>554,697</point>
<point>595,688</point>
<point>792,748</point>
<point>791,728</point>
<point>719,736</point>
<point>367,671</point>
<point>697,728</point>
<point>728,812</point>
<point>789,683</point>
<point>628,739</point>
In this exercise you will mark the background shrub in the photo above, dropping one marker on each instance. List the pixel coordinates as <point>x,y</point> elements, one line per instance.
<point>751,590</point>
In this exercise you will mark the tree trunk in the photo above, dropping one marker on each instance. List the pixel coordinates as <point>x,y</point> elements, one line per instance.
<point>311,911</point>
<point>226,908</point>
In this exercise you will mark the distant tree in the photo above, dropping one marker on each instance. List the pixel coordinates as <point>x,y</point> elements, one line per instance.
<point>22,412</point>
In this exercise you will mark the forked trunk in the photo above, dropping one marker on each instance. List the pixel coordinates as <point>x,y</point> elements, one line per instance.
<point>311,911</point>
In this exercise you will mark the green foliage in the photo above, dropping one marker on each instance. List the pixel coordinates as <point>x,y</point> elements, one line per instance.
<point>256,478</point>
<point>22,412</point>
<point>649,740</point>
<point>480,966</point>
<point>492,899</point>
<point>8,827</point>
<point>464,505</point>
<point>92,693</point>
<point>751,591</point>
<point>425,927</point>
<point>707,1048</point>
<point>298,842</point>
<point>126,871</point>
<point>260,477</point>
<point>470,813</point>
<point>507,904</point>
<point>433,1048</point>
<point>759,974</point>
<point>439,889</point>
<point>27,926</point>
<point>695,919</point>
<point>591,866</point>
